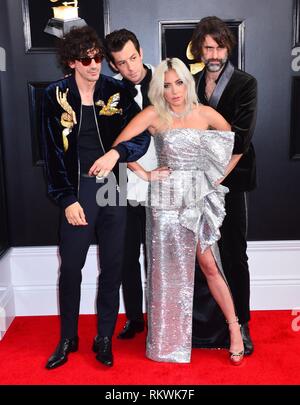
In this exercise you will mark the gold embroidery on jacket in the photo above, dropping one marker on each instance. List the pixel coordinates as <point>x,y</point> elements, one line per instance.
<point>68,118</point>
<point>111,107</point>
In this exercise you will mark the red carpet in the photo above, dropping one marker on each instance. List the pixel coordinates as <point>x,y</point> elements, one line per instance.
<point>30,340</point>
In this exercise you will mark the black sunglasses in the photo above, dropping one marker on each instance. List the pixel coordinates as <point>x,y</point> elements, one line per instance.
<point>86,61</point>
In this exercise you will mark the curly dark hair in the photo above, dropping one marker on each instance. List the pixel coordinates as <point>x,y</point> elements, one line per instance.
<point>76,44</point>
<point>115,41</point>
<point>217,29</point>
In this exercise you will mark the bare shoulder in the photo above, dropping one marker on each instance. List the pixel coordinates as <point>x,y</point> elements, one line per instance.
<point>206,110</point>
<point>150,112</point>
<point>148,115</point>
<point>151,117</point>
<point>213,118</point>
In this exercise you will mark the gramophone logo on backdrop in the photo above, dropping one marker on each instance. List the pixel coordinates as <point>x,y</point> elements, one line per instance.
<point>65,17</point>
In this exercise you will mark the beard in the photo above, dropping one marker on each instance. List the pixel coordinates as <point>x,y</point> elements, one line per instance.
<point>214,65</point>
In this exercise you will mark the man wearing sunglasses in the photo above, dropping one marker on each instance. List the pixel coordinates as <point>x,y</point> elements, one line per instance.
<point>82,116</point>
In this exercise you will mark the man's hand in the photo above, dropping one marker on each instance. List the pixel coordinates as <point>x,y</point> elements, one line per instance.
<point>75,215</point>
<point>104,165</point>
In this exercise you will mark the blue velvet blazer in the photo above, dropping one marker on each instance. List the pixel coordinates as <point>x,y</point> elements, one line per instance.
<point>61,119</point>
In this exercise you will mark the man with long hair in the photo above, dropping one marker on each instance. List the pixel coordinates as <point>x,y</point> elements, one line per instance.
<point>233,93</point>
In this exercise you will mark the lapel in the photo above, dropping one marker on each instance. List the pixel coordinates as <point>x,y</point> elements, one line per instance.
<point>221,84</point>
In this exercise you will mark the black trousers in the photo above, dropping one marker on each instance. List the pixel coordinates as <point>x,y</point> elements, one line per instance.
<point>131,274</point>
<point>109,224</point>
<point>233,246</point>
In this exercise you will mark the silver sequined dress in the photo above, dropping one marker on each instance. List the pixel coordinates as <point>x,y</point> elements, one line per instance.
<point>185,208</point>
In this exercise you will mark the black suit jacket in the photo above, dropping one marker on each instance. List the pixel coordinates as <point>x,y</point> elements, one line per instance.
<point>238,105</point>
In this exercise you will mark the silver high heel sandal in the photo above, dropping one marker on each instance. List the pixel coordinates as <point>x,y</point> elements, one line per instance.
<point>236,358</point>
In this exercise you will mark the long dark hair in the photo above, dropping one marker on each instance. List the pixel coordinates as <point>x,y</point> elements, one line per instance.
<point>217,29</point>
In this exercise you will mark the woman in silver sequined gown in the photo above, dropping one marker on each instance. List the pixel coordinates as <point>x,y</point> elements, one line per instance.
<point>186,207</point>
<point>186,210</point>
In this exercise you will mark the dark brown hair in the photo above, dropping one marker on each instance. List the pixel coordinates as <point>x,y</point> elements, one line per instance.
<point>115,41</point>
<point>217,29</point>
<point>76,44</point>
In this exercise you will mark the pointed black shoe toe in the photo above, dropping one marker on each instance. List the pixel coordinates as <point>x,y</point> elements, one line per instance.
<point>131,328</point>
<point>60,356</point>
<point>248,344</point>
<point>102,346</point>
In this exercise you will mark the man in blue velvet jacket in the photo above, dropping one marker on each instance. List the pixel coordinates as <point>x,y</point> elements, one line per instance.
<point>82,116</point>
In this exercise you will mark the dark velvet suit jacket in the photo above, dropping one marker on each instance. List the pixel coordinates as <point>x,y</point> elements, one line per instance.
<point>238,105</point>
<point>62,166</point>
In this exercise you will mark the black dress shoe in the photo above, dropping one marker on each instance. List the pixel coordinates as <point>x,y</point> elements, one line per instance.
<point>60,356</point>
<point>248,344</point>
<point>130,329</point>
<point>102,346</point>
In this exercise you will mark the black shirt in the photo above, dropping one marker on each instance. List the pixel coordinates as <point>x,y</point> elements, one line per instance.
<point>89,145</point>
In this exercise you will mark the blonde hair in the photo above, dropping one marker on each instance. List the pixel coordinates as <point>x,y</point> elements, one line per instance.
<point>156,88</point>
